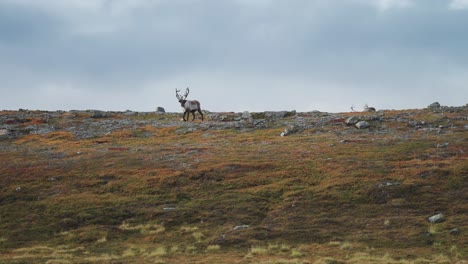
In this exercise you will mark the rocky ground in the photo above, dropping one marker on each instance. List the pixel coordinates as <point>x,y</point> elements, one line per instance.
<point>95,123</point>
<point>387,186</point>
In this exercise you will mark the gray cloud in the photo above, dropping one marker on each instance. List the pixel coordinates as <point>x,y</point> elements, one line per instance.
<point>302,55</point>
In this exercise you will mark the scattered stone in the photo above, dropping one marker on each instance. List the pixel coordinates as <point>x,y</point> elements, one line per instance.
<point>169,208</point>
<point>454,231</point>
<point>388,184</point>
<point>100,114</point>
<point>246,115</point>
<point>130,113</point>
<point>275,115</point>
<point>18,189</point>
<point>402,120</point>
<point>373,118</point>
<point>43,131</point>
<point>438,218</point>
<point>4,132</point>
<point>362,125</point>
<point>160,110</point>
<point>352,121</point>
<point>387,222</point>
<point>434,106</point>
<point>444,145</point>
<point>290,130</point>
<point>239,227</point>
<point>259,123</point>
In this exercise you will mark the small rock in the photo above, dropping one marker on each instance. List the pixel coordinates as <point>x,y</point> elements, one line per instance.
<point>246,115</point>
<point>169,208</point>
<point>434,106</point>
<point>352,121</point>
<point>444,145</point>
<point>438,218</point>
<point>160,110</point>
<point>454,231</point>
<point>100,114</point>
<point>290,130</point>
<point>387,222</point>
<point>239,227</point>
<point>278,115</point>
<point>18,189</point>
<point>259,123</point>
<point>362,125</point>
<point>388,184</point>
<point>4,132</point>
<point>130,113</point>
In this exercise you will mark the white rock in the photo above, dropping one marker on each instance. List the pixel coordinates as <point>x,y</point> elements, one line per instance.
<point>241,227</point>
<point>444,145</point>
<point>438,218</point>
<point>246,115</point>
<point>352,121</point>
<point>362,125</point>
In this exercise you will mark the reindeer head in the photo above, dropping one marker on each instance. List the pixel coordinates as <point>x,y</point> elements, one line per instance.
<point>181,98</point>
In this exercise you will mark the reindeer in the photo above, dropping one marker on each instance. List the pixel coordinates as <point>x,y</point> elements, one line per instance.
<point>369,108</point>
<point>189,106</point>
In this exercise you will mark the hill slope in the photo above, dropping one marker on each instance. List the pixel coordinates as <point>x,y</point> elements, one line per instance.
<point>109,187</point>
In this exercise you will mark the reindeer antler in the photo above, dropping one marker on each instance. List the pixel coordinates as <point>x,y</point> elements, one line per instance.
<point>187,91</point>
<point>180,97</point>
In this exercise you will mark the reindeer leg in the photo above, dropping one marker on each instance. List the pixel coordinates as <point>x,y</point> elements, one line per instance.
<point>199,111</point>
<point>193,113</point>
<point>183,117</point>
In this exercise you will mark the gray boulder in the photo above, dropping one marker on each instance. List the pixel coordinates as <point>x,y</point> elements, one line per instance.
<point>291,129</point>
<point>160,110</point>
<point>438,218</point>
<point>4,132</point>
<point>275,115</point>
<point>454,231</point>
<point>100,114</point>
<point>434,106</point>
<point>352,121</point>
<point>246,115</point>
<point>362,125</point>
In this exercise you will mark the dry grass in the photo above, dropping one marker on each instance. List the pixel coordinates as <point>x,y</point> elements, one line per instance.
<point>170,194</point>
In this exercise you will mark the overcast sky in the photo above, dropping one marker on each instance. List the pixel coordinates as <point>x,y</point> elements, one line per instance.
<point>235,55</point>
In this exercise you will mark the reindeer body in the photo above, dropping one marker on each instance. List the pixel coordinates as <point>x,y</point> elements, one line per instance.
<point>189,106</point>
